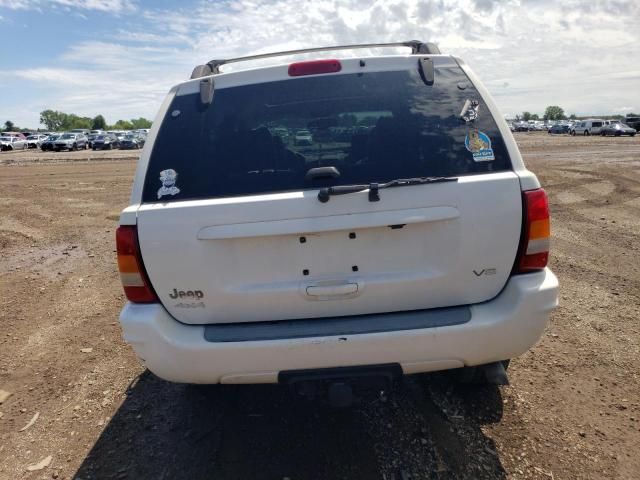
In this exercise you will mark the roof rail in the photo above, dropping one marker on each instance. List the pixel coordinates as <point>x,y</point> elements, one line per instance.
<point>213,66</point>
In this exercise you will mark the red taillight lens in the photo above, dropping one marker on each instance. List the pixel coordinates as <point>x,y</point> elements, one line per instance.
<point>134,278</point>
<point>533,253</point>
<point>314,67</point>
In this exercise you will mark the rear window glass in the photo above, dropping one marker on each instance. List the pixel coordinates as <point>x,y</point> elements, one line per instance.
<point>373,127</point>
<point>596,124</point>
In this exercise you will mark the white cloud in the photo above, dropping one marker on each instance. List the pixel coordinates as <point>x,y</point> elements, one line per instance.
<point>113,6</point>
<point>155,38</point>
<point>14,4</point>
<point>529,53</point>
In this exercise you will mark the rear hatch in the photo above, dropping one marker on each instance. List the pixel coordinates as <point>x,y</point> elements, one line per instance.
<point>231,228</point>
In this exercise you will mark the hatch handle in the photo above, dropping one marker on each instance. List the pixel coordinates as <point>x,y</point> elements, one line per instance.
<point>338,290</point>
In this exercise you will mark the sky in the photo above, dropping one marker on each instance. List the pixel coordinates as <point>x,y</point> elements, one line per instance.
<point>119,58</point>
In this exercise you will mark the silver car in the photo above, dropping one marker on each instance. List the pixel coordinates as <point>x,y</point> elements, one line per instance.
<point>13,143</point>
<point>34,141</point>
<point>71,141</point>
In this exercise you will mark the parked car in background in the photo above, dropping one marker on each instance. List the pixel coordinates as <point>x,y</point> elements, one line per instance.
<point>281,132</point>
<point>617,129</point>
<point>47,144</point>
<point>34,141</point>
<point>303,137</point>
<point>83,131</point>
<point>522,127</point>
<point>14,134</point>
<point>131,142</point>
<point>558,129</point>
<point>590,126</point>
<point>105,142</point>
<point>13,143</point>
<point>91,137</point>
<point>633,122</point>
<point>70,141</point>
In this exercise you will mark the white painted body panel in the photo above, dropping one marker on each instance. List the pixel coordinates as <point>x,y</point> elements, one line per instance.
<point>500,329</point>
<point>246,256</point>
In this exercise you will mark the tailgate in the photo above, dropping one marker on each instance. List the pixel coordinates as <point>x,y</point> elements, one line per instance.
<point>288,256</point>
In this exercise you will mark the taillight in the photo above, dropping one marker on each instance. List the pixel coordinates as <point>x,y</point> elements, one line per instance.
<point>134,278</point>
<point>314,67</point>
<point>533,252</point>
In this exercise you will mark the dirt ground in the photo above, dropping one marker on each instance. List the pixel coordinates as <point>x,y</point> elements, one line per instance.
<point>572,409</point>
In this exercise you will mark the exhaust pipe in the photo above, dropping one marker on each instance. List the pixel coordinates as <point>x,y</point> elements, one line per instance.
<point>495,373</point>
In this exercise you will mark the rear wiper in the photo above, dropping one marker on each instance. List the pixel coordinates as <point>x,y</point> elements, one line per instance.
<point>326,193</point>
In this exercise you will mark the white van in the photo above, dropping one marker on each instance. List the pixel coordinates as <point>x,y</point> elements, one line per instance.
<point>590,126</point>
<point>404,235</point>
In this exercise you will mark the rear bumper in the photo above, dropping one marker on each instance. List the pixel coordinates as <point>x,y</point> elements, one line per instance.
<point>502,328</point>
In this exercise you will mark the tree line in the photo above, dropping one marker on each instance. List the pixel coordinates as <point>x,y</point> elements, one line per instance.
<point>554,112</point>
<point>59,121</point>
<point>56,121</point>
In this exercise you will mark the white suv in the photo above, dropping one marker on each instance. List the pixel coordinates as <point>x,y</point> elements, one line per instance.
<point>406,235</point>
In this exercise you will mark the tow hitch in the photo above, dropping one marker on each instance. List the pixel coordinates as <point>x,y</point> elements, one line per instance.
<point>341,386</point>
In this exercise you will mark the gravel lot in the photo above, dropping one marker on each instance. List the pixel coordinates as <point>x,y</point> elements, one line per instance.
<point>572,409</point>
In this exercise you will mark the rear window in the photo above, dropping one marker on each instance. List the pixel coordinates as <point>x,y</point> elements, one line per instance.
<point>373,127</point>
<point>596,124</point>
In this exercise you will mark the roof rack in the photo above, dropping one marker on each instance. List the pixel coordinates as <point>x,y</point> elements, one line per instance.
<point>213,67</point>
